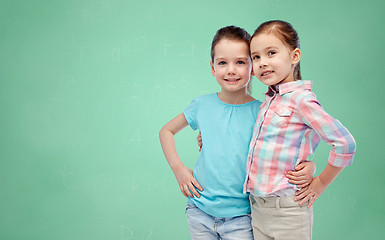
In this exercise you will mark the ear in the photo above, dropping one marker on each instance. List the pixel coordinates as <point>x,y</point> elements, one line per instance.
<point>296,56</point>
<point>252,72</point>
<point>212,68</point>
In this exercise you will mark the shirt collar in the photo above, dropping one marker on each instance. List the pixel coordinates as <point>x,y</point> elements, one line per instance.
<point>291,86</point>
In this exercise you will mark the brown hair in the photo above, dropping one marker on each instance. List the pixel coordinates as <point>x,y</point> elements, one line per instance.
<point>231,33</point>
<point>286,33</point>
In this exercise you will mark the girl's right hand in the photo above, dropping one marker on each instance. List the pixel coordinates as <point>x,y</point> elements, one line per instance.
<point>187,182</point>
<point>303,174</point>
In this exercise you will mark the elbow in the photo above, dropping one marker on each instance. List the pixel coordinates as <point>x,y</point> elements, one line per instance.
<point>161,132</point>
<point>164,131</point>
<point>352,144</point>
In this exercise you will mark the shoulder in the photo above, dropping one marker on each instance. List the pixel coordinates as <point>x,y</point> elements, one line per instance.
<point>303,96</point>
<point>307,104</point>
<point>207,97</point>
<point>256,102</point>
<point>201,102</point>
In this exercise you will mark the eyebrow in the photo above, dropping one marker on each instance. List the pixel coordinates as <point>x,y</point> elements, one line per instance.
<point>266,48</point>
<point>222,58</point>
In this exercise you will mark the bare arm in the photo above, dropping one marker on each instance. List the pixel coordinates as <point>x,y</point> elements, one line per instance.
<point>183,174</point>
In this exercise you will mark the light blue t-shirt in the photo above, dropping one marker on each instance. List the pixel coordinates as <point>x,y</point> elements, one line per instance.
<point>221,167</point>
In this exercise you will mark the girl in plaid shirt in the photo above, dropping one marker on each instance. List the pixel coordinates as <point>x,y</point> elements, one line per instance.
<point>289,126</point>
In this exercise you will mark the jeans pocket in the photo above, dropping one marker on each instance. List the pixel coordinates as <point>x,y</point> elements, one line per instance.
<point>189,206</point>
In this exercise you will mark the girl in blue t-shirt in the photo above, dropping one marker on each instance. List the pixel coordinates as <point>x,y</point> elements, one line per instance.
<point>217,207</point>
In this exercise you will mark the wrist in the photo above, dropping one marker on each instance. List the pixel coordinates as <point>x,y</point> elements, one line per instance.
<point>322,180</point>
<point>177,167</point>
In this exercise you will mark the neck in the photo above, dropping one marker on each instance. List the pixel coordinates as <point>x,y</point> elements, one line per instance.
<point>240,97</point>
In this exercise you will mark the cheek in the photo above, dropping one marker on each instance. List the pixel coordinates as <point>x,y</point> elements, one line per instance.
<point>249,70</point>
<point>255,66</point>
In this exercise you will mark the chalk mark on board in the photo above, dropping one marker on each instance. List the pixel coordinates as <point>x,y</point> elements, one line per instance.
<point>85,15</point>
<point>126,233</point>
<point>166,45</point>
<point>115,53</point>
<point>188,54</point>
<point>131,186</point>
<point>136,137</point>
<point>82,52</point>
<point>147,234</point>
<point>159,185</point>
<point>153,106</point>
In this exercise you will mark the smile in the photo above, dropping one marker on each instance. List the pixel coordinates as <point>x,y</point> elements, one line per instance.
<point>232,79</point>
<point>266,73</point>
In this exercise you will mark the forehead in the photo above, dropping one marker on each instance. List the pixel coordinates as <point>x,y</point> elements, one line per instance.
<point>231,48</point>
<point>263,40</point>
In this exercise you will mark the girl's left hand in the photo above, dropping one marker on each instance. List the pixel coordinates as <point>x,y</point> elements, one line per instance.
<point>310,193</point>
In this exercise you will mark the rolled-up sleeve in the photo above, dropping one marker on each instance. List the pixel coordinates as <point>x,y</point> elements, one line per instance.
<point>329,130</point>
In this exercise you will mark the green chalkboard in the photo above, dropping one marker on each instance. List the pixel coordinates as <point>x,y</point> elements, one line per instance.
<point>86,85</point>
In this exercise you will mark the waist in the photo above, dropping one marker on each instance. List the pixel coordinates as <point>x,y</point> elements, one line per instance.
<point>222,206</point>
<point>274,202</point>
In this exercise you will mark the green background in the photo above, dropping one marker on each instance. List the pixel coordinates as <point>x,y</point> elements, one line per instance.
<point>85,87</point>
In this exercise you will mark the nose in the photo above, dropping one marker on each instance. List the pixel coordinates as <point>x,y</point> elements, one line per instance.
<point>232,69</point>
<point>262,63</point>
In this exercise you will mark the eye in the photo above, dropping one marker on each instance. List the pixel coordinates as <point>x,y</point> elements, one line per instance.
<point>256,57</point>
<point>222,63</point>
<point>270,53</point>
<point>240,62</point>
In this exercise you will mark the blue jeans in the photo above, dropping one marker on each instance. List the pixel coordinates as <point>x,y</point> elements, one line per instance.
<point>206,227</point>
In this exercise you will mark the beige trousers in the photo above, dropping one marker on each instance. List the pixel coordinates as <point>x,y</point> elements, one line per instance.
<point>280,218</point>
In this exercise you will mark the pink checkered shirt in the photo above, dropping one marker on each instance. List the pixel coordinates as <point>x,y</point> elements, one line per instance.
<point>289,127</point>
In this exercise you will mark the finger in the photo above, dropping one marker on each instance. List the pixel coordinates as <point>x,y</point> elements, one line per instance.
<point>296,178</point>
<point>306,199</point>
<point>295,174</point>
<point>312,201</point>
<point>297,181</point>
<point>301,195</point>
<point>182,190</point>
<point>193,190</point>
<point>299,192</point>
<point>300,166</point>
<point>187,191</point>
<point>309,197</point>
<point>303,185</point>
<point>197,185</point>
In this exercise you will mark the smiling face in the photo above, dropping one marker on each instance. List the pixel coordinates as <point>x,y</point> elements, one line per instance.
<point>273,61</point>
<point>232,65</point>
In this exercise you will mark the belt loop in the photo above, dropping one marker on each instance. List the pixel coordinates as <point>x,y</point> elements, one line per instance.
<point>277,202</point>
